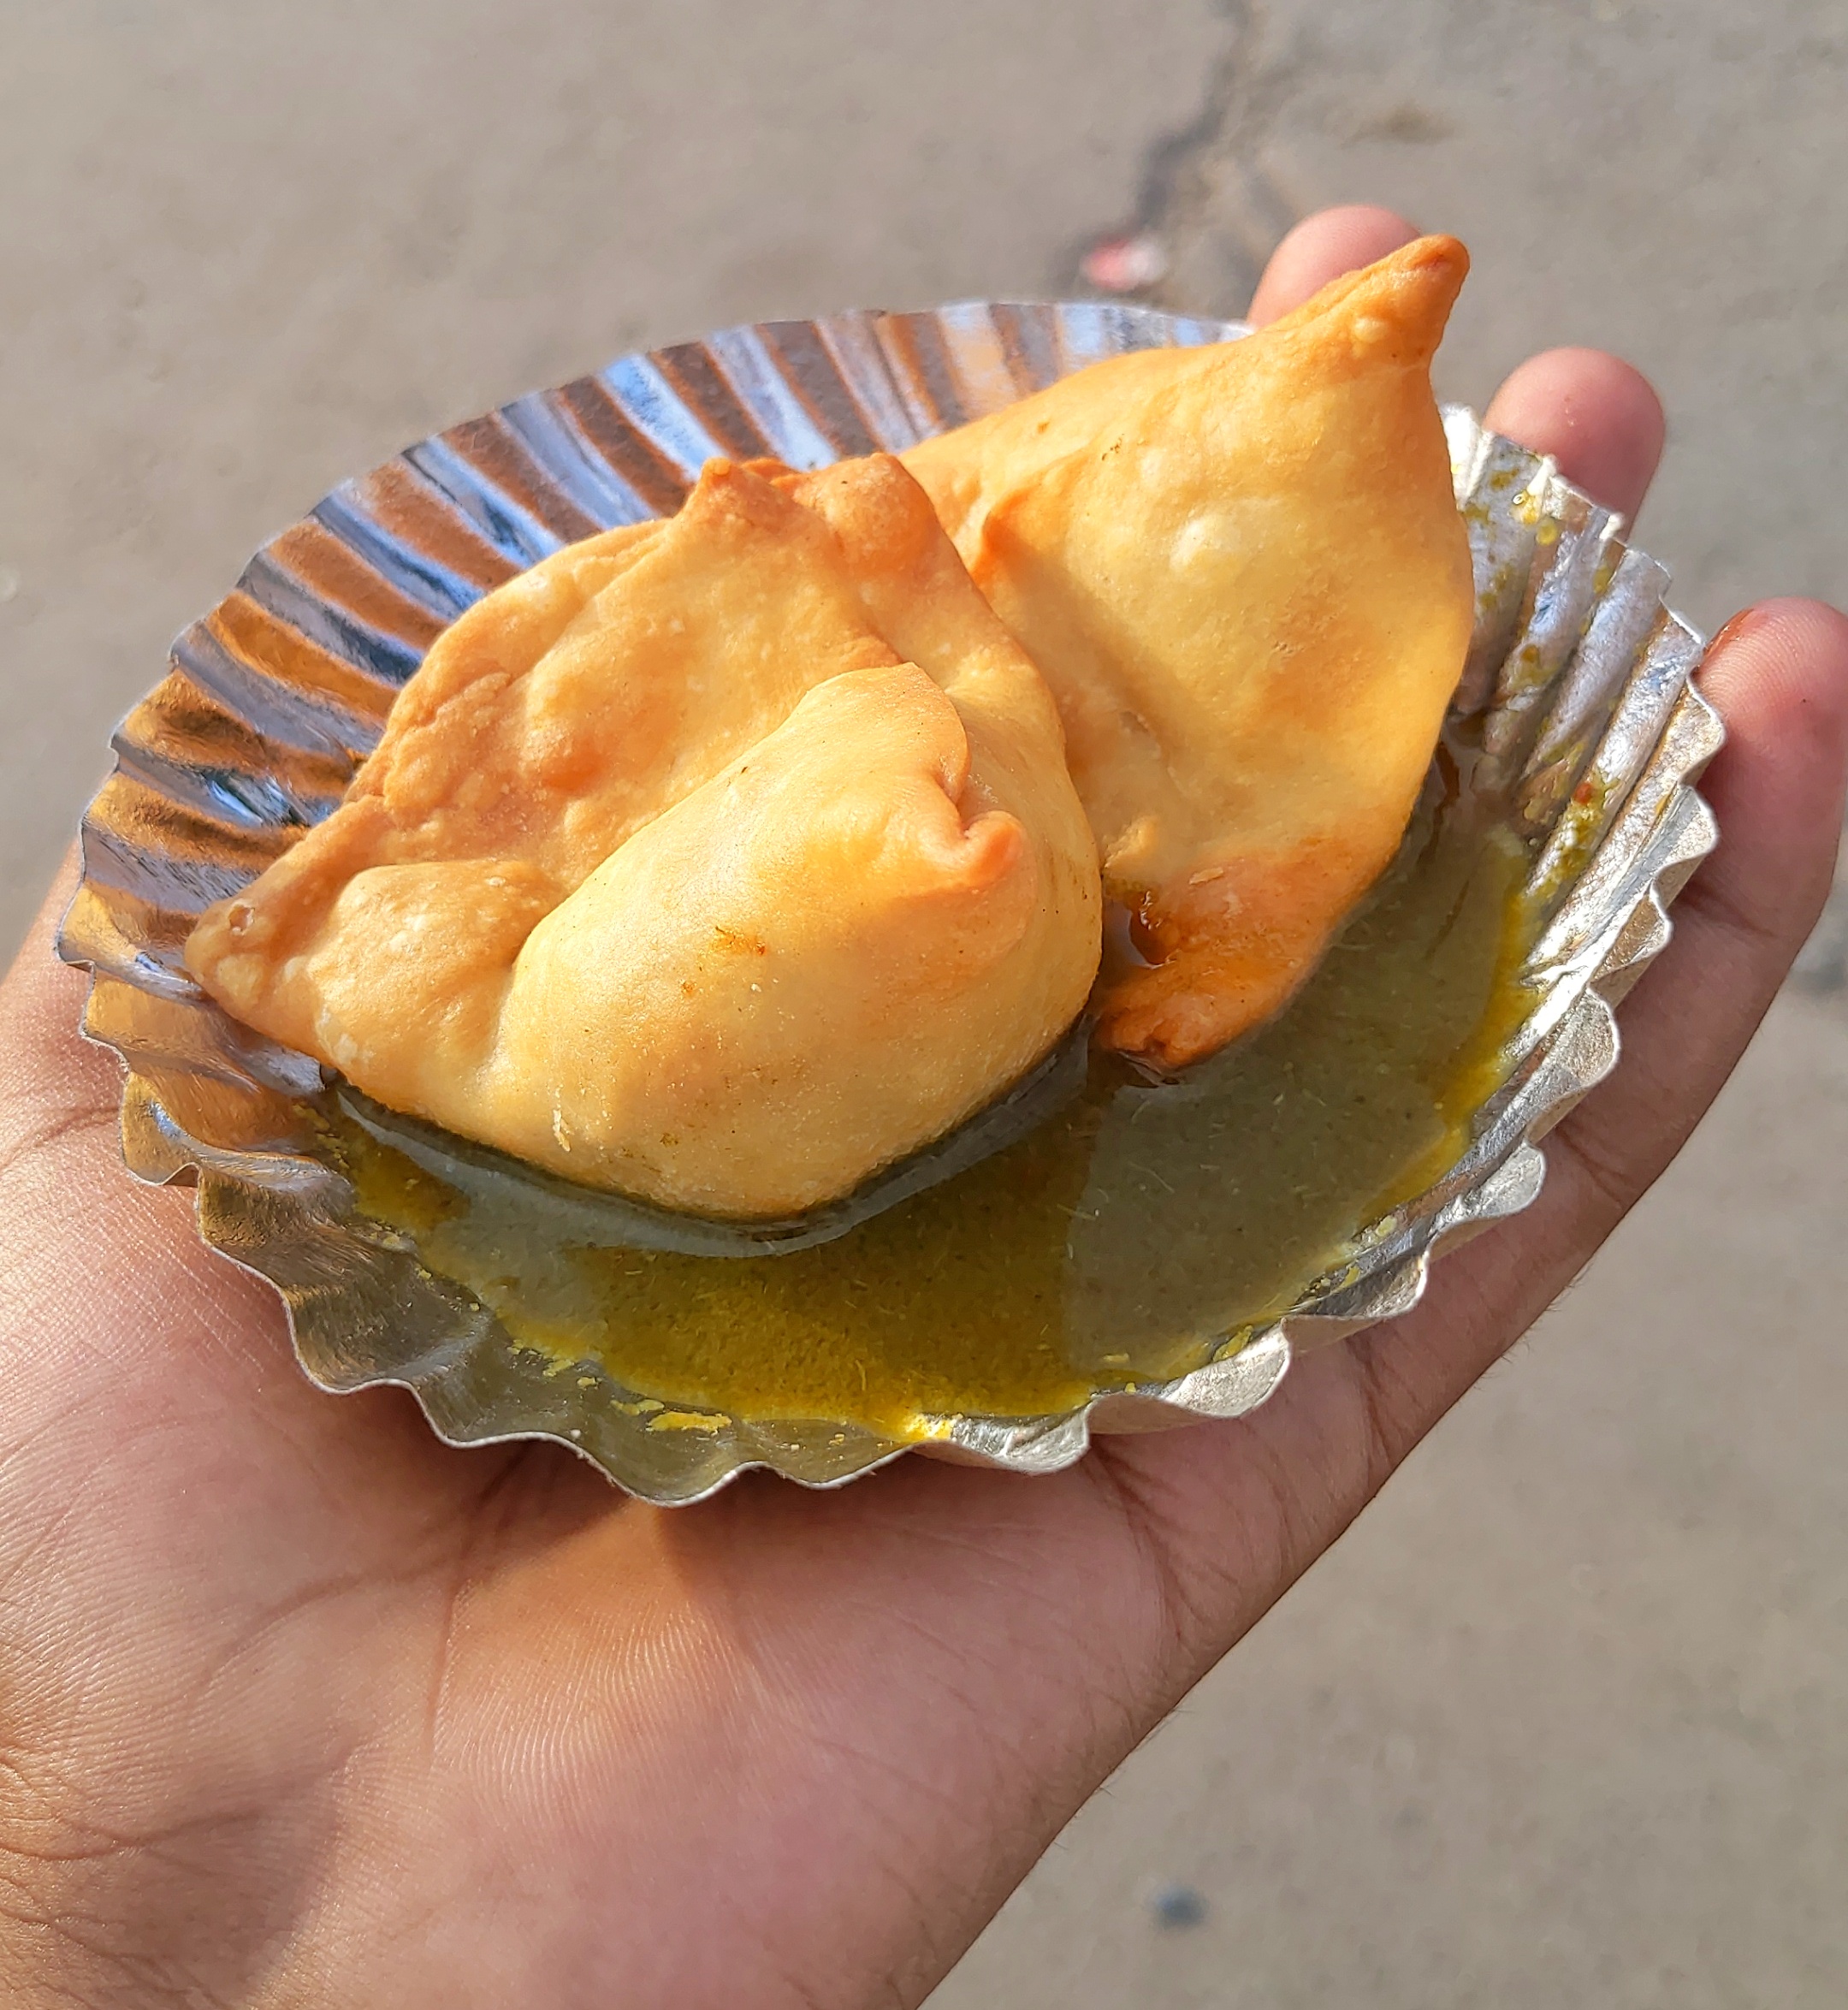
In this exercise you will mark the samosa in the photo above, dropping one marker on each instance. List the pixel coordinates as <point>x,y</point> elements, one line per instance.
<point>1242,571</point>
<point>720,861</point>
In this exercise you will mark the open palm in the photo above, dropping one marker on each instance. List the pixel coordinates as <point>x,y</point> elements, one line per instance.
<point>298,1706</point>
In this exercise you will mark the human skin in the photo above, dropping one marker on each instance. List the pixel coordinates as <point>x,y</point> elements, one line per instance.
<point>299,1707</point>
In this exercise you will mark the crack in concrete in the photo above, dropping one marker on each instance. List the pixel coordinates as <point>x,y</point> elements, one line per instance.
<point>1204,195</point>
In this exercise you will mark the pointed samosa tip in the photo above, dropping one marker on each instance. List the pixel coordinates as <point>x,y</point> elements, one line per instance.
<point>1394,310</point>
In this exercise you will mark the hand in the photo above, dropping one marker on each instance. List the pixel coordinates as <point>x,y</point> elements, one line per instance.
<point>300,1707</point>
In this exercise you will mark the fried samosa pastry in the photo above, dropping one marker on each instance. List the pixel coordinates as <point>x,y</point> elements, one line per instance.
<point>719,861</point>
<point>1242,571</point>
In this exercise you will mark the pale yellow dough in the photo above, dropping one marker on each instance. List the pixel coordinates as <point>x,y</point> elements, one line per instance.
<point>1242,571</point>
<point>720,861</point>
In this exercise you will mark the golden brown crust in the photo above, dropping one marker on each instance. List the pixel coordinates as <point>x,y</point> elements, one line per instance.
<point>524,921</point>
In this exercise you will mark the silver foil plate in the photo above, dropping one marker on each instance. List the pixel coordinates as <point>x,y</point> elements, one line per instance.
<point>1588,724</point>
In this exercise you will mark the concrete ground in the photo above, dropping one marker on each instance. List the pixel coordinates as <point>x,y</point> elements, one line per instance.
<point>1563,1720</point>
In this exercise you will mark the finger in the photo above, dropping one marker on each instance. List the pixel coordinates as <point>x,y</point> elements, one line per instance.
<point>1600,420</point>
<point>1321,248</point>
<point>1778,676</point>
